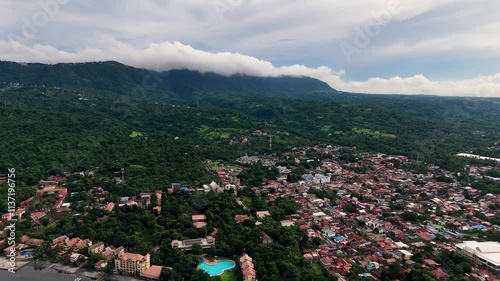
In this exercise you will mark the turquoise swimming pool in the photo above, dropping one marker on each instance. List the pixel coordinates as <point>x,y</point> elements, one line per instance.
<point>218,268</point>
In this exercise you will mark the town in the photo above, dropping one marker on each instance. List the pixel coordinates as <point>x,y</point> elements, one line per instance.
<point>360,216</point>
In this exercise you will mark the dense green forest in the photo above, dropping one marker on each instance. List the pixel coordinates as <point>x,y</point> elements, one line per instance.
<point>160,126</point>
<point>144,231</point>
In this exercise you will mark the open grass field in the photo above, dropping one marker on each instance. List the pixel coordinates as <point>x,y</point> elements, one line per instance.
<point>229,276</point>
<point>135,134</point>
<point>376,134</point>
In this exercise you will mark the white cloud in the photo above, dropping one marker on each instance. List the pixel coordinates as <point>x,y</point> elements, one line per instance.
<point>281,31</point>
<point>482,39</point>
<point>482,86</point>
<point>167,55</point>
<point>246,26</point>
<point>159,56</point>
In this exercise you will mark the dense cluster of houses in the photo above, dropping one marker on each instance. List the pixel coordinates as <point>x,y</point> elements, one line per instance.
<point>54,188</point>
<point>123,261</point>
<point>381,213</point>
<point>367,224</point>
<point>143,200</point>
<point>25,242</point>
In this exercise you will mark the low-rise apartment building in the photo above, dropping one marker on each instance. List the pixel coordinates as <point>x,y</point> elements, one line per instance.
<point>187,245</point>
<point>131,263</point>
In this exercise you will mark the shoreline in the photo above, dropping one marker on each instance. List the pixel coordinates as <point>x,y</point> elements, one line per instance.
<point>97,275</point>
<point>76,271</point>
<point>5,263</point>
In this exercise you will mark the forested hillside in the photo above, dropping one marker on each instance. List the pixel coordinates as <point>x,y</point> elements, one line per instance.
<point>161,126</point>
<point>111,78</point>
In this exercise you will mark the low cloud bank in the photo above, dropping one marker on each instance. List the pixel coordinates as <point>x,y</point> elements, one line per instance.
<point>168,55</point>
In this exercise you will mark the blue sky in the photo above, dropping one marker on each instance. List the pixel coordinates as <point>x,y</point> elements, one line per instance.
<point>443,47</point>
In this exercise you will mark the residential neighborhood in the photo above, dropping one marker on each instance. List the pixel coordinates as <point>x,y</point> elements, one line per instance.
<point>365,217</point>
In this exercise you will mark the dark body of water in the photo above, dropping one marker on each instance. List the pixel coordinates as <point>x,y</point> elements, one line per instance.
<point>30,273</point>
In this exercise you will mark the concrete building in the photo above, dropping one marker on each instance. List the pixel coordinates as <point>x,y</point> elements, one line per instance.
<point>152,273</point>
<point>187,245</point>
<point>199,220</point>
<point>485,253</point>
<point>247,268</point>
<point>96,248</point>
<point>131,263</point>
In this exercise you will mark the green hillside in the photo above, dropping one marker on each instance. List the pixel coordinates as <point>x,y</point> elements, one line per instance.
<point>81,116</point>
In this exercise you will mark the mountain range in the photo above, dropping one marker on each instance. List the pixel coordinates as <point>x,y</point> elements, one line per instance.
<point>111,76</point>
<point>162,125</point>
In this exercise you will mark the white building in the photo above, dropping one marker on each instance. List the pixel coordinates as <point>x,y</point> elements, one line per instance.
<point>321,179</point>
<point>486,253</point>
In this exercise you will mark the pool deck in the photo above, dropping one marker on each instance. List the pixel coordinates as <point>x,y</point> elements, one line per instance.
<point>210,262</point>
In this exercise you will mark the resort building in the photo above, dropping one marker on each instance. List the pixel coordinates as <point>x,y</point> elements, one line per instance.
<point>37,216</point>
<point>485,253</point>
<point>152,273</point>
<point>266,239</point>
<point>96,248</point>
<point>75,257</point>
<point>241,218</point>
<point>100,265</point>
<point>64,244</point>
<point>262,214</point>
<point>199,221</point>
<point>247,268</point>
<point>60,194</point>
<point>186,245</point>
<point>109,207</point>
<point>131,263</point>
<point>109,253</point>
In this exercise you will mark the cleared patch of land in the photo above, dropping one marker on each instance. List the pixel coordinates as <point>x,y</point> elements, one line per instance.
<point>135,134</point>
<point>372,133</point>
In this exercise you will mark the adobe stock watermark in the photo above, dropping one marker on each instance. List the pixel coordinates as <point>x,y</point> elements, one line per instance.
<point>11,228</point>
<point>150,82</point>
<point>363,36</point>
<point>47,9</point>
<point>463,110</point>
<point>280,114</point>
<point>221,7</point>
<point>485,89</point>
<point>471,105</point>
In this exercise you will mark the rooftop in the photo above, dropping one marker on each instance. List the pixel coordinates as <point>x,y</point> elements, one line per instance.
<point>489,251</point>
<point>153,272</point>
<point>132,257</point>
